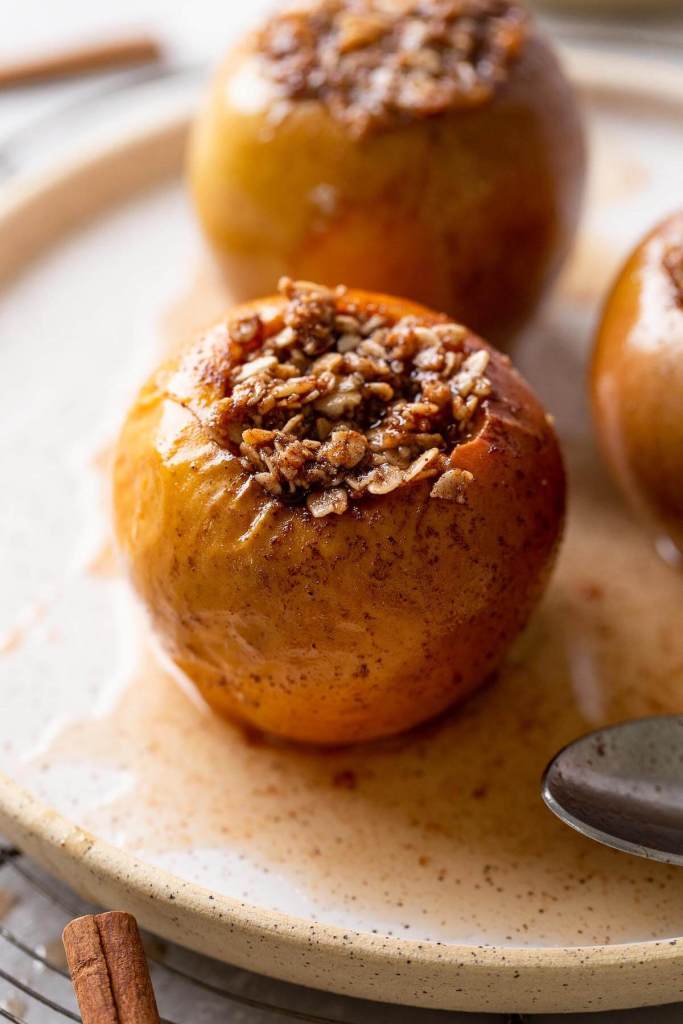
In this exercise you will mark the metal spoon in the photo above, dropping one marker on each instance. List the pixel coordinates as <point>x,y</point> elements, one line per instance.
<point>623,786</point>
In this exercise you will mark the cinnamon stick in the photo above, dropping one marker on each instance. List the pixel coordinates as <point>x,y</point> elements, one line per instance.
<point>142,49</point>
<point>109,970</point>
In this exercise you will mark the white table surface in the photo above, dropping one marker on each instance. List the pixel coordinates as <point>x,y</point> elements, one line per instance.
<point>197,31</point>
<point>193,33</point>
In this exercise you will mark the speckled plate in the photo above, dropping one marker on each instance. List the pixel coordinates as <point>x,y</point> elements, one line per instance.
<point>422,870</point>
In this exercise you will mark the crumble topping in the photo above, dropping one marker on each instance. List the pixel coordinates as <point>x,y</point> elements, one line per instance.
<point>325,401</point>
<point>375,63</point>
<point>673,263</point>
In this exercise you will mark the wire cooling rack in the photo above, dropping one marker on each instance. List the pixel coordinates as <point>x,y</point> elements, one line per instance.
<point>191,989</point>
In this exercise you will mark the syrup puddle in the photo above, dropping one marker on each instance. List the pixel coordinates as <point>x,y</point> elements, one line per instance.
<point>440,834</point>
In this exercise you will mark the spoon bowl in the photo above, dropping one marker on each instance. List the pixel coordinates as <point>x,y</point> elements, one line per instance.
<point>623,787</point>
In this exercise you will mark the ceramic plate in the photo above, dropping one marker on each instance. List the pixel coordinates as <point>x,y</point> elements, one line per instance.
<point>421,870</point>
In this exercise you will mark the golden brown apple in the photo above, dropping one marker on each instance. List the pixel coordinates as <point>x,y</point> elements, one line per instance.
<point>637,379</point>
<point>423,147</point>
<point>339,508</point>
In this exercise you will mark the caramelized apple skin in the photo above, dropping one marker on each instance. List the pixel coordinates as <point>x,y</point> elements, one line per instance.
<point>350,627</point>
<point>470,212</point>
<point>637,381</point>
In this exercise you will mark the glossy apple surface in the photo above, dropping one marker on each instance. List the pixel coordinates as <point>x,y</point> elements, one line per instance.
<point>637,378</point>
<point>349,627</point>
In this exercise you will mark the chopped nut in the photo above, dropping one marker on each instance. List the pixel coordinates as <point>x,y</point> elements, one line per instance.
<point>424,462</point>
<point>246,330</point>
<point>373,325</point>
<point>256,437</point>
<point>345,448</point>
<point>381,389</point>
<point>473,367</point>
<point>256,366</point>
<point>331,362</point>
<point>338,404</point>
<point>359,30</point>
<point>292,424</point>
<point>384,479</point>
<point>323,427</point>
<point>285,338</point>
<point>346,324</point>
<point>437,392</point>
<point>427,440</point>
<point>268,482</point>
<point>324,503</point>
<point>348,342</point>
<point>452,485</point>
<point>294,386</point>
<point>370,347</point>
<point>426,336</point>
<point>476,363</point>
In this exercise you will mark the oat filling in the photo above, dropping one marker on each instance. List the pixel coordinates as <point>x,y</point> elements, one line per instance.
<point>327,401</point>
<point>376,63</point>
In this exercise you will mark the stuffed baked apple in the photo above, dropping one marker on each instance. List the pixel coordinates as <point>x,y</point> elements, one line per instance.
<point>431,148</point>
<point>638,378</point>
<point>339,509</point>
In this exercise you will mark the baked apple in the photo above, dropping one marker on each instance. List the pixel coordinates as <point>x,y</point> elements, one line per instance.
<point>339,509</point>
<point>637,379</point>
<point>432,148</point>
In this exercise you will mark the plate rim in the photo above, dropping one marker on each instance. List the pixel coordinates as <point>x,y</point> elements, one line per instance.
<point>494,978</point>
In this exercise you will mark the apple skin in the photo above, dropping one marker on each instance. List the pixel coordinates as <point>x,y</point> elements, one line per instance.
<point>637,381</point>
<point>351,627</point>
